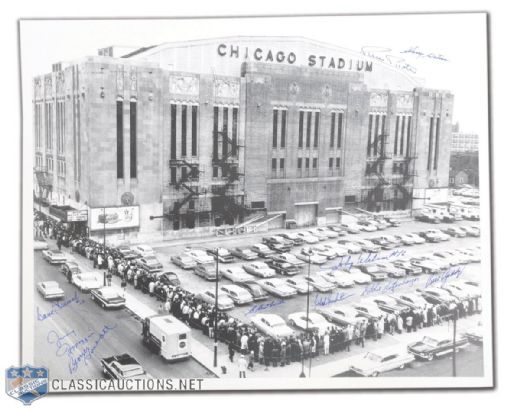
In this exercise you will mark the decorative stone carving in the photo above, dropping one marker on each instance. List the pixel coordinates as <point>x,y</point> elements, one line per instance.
<point>294,89</point>
<point>378,99</point>
<point>120,79</point>
<point>37,88</point>
<point>227,88</point>
<point>133,79</point>
<point>405,101</point>
<point>48,86</point>
<point>327,91</point>
<point>184,84</point>
<point>60,82</point>
<point>127,199</point>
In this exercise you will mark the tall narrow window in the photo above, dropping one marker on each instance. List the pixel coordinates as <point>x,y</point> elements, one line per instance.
<point>299,163</point>
<point>408,137</point>
<point>273,164</point>
<point>314,163</point>
<point>338,162</point>
<point>309,121</point>
<point>284,125</point>
<point>215,133</point>
<point>376,136</point>
<point>225,131</point>
<point>332,128</point>
<point>316,128</point>
<point>234,132</point>
<point>133,139</point>
<point>184,109</point>
<point>194,114</point>
<point>430,144</point>
<point>331,163</point>
<point>173,131</point>
<point>396,138</point>
<point>369,143</point>
<point>340,128</point>
<point>437,132</point>
<point>300,131</point>
<point>275,128</point>
<point>401,146</point>
<point>307,163</point>
<point>119,140</point>
<point>282,166</point>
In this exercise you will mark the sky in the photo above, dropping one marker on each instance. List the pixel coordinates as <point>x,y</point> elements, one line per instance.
<point>452,53</point>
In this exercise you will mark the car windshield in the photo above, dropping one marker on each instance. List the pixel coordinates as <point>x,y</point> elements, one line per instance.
<point>430,341</point>
<point>373,357</point>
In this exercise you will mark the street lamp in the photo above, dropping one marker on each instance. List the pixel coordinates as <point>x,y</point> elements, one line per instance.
<point>302,374</point>
<point>216,316</point>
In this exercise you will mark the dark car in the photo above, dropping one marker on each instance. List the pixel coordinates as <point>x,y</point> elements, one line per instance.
<point>429,347</point>
<point>127,253</point>
<point>123,367</point>
<point>244,253</point>
<point>383,242</point>
<point>224,256</point>
<point>429,237</point>
<point>392,222</point>
<point>69,268</point>
<point>256,291</point>
<point>108,297</point>
<point>169,278</point>
<point>292,238</point>
<point>149,264</point>
<point>284,268</point>
<point>278,244</point>
<point>340,230</point>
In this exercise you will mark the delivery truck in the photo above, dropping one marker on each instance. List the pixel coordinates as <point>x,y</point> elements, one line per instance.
<point>167,336</point>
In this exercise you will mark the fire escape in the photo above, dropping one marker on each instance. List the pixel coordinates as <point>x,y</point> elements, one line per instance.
<point>403,180</point>
<point>375,173</point>
<point>44,181</point>
<point>189,175</point>
<point>228,197</point>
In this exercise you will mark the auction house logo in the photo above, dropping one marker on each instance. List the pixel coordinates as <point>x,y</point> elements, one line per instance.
<point>27,383</point>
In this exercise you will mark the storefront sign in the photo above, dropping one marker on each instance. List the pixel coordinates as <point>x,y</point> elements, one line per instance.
<point>77,215</point>
<point>111,218</point>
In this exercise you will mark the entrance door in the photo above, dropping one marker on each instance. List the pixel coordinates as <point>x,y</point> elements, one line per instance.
<point>306,215</point>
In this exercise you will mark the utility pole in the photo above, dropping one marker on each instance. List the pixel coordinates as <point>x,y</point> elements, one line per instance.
<point>302,374</point>
<point>215,345</point>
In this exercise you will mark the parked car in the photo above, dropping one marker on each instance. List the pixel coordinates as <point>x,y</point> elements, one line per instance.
<point>337,277</point>
<point>392,239</point>
<point>40,244</point>
<point>324,250</point>
<point>293,237</point>
<point>262,250</point>
<point>329,233</point>
<point>143,250</point>
<point>200,256</point>
<point>183,261</point>
<point>319,234</point>
<point>50,290</point>
<point>470,290</point>
<point>87,281</point>
<point>257,292</point>
<point>149,264</point>
<point>337,249</point>
<point>471,231</point>
<point>236,274</point>
<point>238,294</point>
<point>430,347</point>
<point>343,315</point>
<point>278,243</point>
<point>436,295</point>
<point>352,228</point>
<point>108,297</point>
<point>367,226</point>
<point>308,255</point>
<point>358,276</point>
<point>425,216</point>
<point>443,236</point>
<point>259,269</point>
<point>352,248</point>
<point>472,255</point>
<point>283,268</point>
<point>412,300</point>
<point>383,243</point>
<point>367,246</point>
<point>451,257</point>
<point>54,256</point>
<point>430,237</point>
<point>209,297</point>
<point>416,238</point>
<point>272,325</point>
<point>312,322</point>
<point>207,271</point>
<point>277,287</point>
<point>373,271</point>
<point>337,229</point>
<point>122,367</point>
<point>288,258</point>
<point>378,361</point>
<point>301,285</point>
<point>369,310</point>
<point>169,278</point>
<point>320,284</point>
<point>380,223</point>
<point>69,268</point>
<point>426,264</point>
<point>307,238</point>
<point>244,253</point>
<point>389,304</point>
<point>407,267</point>
<point>406,239</point>
<point>391,270</point>
<point>454,231</point>
<point>126,252</point>
<point>224,256</point>
<point>392,222</point>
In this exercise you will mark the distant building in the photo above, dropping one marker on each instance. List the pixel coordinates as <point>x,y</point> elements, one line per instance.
<point>464,142</point>
<point>464,169</point>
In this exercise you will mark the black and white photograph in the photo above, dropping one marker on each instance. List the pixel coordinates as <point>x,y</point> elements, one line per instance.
<point>257,203</point>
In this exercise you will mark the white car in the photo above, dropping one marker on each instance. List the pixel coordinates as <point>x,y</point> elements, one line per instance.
<point>87,281</point>
<point>307,238</point>
<point>338,277</point>
<point>320,235</point>
<point>144,250</point>
<point>310,256</point>
<point>320,284</point>
<point>471,290</point>
<point>54,256</point>
<point>343,315</point>
<point>452,258</point>
<point>238,294</point>
<point>299,284</point>
<point>316,322</point>
<point>236,274</point>
<point>352,248</point>
<point>368,309</point>
<point>368,226</point>
<point>406,239</point>
<point>471,231</point>
<point>358,276</point>
<point>391,239</point>
<point>50,290</point>
<point>368,246</point>
<point>288,258</point>
<point>380,360</point>
<point>259,269</point>
<point>108,297</point>
<point>352,228</point>
<point>323,250</point>
<point>331,234</point>
<point>472,255</point>
<point>338,249</point>
<point>417,239</point>
<point>200,256</point>
<point>277,287</point>
<point>262,250</point>
<point>442,236</point>
<point>208,296</point>
<point>412,300</point>
<point>272,325</point>
<point>391,270</point>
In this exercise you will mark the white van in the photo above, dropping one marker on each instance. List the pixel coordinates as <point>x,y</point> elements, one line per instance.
<point>167,336</point>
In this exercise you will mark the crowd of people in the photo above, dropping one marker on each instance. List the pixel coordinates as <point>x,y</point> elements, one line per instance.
<point>254,347</point>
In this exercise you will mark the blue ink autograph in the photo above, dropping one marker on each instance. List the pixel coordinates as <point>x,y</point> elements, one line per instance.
<point>79,350</point>
<point>347,262</point>
<point>420,54</point>
<point>264,306</point>
<point>322,301</point>
<point>57,306</point>
<point>388,287</point>
<point>445,276</point>
<point>383,55</point>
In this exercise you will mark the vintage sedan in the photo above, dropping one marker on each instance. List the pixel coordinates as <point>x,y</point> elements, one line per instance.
<point>407,267</point>
<point>412,300</point>
<point>272,325</point>
<point>337,277</point>
<point>149,264</point>
<point>223,255</point>
<point>320,284</point>
<point>383,243</point>
<point>454,231</point>
<point>262,250</point>
<point>352,248</point>
<point>440,234</point>
<point>238,294</point>
<point>299,284</point>
<point>316,322</point>
<point>352,228</point>
<point>406,239</point>
<point>126,252</point>
<point>259,269</point>
<point>277,287</point>
<point>436,295</point>
<point>368,309</point>
<point>143,250</point>
<point>358,276</point>
<point>288,258</point>
<point>324,250</point>
<point>426,264</point>
<point>367,226</point>
<point>380,360</point>
<point>87,281</point>
<point>285,269</point>
<point>69,268</point>
<point>388,304</point>
<point>183,261</point>
<point>471,231</point>
<point>293,237</point>
<point>470,290</point>
<point>338,249</point>
<point>340,230</point>
<point>244,253</point>
<point>54,256</point>
<point>307,237</point>
<point>257,292</point>
<point>207,271</point>
<point>278,244</point>
<point>200,256</point>
<point>50,290</point>
<point>319,234</point>
<point>373,271</point>
<point>429,237</point>
<point>329,233</point>
<point>108,297</point>
<point>169,278</point>
<point>391,270</point>
<point>308,255</point>
<point>430,347</point>
<point>236,274</point>
<point>343,315</point>
<point>209,297</point>
<point>451,257</point>
<point>367,246</point>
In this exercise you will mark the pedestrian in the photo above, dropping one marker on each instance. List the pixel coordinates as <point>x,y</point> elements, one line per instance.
<point>123,286</point>
<point>242,365</point>
<point>231,352</point>
<point>243,342</point>
<point>326,343</point>
<point>251,363</point>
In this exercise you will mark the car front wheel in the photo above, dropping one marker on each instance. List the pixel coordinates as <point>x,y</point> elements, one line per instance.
<point>430,357</point>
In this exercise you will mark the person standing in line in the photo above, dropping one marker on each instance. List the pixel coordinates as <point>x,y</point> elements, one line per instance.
<point>242,365</point>
<point>326,343</point>
<point>231,352</point>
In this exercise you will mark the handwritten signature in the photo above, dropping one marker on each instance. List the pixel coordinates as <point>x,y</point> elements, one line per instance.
<point>76,349</point>
<point>444,277</point>
<point>57,306</point>
<point>389,287</point>
<point>264,306</point>
<point>322,301</point>
<point>387,56</point>
<point>347,262</point>
<point>415,51</point>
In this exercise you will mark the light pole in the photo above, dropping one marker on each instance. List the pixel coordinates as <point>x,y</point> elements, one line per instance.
<point>302,374</point>
<point>216,316</point>
<point>454,352</point>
